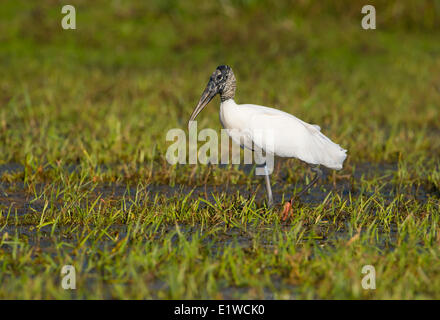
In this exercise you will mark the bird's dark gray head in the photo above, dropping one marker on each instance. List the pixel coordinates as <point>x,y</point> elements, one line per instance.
<point>222,81</point>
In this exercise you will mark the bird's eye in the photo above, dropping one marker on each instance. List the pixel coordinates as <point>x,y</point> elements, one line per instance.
<point>219,77</point>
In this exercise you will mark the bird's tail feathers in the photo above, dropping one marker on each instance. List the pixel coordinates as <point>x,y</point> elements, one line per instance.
<point>331,154</point>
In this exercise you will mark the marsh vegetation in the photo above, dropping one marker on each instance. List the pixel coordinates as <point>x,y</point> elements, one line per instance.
<point>85,182</point>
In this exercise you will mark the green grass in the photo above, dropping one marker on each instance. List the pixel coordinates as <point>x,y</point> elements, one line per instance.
<point>83,119</point>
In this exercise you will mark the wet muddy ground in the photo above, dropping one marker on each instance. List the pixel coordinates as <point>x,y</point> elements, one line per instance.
<point>20,200</point>
<point>17,201</point>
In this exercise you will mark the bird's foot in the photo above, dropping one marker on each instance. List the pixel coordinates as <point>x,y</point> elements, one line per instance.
<point>286,210</point>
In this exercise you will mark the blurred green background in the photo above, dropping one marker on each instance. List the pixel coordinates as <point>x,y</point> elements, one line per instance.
<point>108,91</point>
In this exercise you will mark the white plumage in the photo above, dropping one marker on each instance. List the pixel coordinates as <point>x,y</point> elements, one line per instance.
<point>276,132</point>
<point>289,136</point>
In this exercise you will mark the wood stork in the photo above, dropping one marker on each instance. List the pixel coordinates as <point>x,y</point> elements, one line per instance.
<point>292,137</point>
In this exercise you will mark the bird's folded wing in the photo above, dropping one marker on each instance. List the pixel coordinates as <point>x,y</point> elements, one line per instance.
<point>285,135</point>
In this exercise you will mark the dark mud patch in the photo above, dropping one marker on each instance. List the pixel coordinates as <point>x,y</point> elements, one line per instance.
<point>18,199</point>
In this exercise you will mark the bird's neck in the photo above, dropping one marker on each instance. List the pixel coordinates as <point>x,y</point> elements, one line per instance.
<point>229,103</point>
<point>229,89</point>
<point>227,95</point>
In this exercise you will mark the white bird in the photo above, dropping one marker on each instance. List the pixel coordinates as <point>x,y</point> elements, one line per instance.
<point>289,136</point>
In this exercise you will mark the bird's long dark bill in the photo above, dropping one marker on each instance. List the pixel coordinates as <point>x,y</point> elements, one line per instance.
<point>206,97</point>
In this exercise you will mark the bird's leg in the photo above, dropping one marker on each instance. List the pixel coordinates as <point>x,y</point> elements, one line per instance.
<point>288,204</point>
<point>315,179</point>
<point>268,187</point>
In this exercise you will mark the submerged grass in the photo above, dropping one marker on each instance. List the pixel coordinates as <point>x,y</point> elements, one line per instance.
<point>85,182</point>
